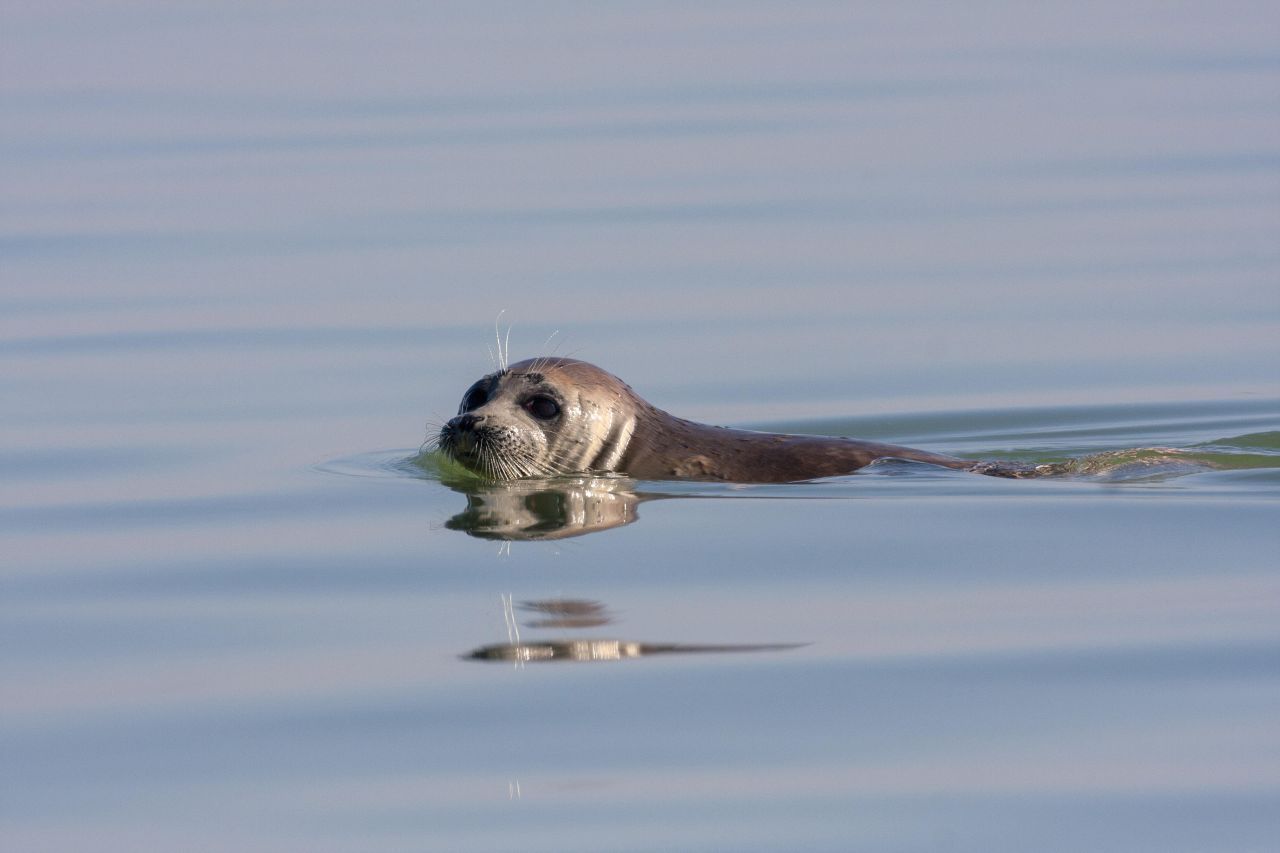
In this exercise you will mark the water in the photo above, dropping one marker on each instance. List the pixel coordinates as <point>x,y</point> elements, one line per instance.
<point>250,255</point>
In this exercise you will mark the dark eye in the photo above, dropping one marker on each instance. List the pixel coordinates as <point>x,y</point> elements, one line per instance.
<point>542,408</point>
<point>475,399</point>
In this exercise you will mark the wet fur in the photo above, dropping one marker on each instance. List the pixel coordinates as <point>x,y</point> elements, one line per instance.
<point>607,427</point>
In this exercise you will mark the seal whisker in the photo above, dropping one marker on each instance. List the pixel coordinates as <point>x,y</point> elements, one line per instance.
<point>497,337</point>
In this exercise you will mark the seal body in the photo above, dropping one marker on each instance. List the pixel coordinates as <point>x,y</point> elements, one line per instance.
<point>549,417</point>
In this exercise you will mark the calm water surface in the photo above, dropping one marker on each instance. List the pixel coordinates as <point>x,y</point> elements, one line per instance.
<point>250,257</point>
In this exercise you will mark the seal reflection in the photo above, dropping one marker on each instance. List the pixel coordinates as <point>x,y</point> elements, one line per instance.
<point>602,650</point>
<point>538,510</point>
<point>578,613</point>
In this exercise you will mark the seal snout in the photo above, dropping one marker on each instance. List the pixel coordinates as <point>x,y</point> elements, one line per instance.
<point>460,433</point>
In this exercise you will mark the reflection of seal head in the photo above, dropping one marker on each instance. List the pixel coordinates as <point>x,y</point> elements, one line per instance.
<point>553,416</point>
<point>540,510</point>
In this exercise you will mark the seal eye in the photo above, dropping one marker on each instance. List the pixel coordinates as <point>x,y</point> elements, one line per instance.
<point>475,399</point>
<point>542,408</point>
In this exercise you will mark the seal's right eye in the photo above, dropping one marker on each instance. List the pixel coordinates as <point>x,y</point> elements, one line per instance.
<point>475,399</point>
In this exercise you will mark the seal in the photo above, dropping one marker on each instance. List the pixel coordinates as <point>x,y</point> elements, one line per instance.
<point>549,417</point>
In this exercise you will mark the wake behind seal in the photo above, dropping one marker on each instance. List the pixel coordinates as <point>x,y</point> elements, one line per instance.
<point>549,417</point>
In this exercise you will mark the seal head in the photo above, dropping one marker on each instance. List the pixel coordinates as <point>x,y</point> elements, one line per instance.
<point>542,418</point>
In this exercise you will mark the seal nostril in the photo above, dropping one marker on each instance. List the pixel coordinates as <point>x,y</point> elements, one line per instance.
<point>468,421</point>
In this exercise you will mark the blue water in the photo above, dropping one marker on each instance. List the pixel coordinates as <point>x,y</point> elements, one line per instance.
<point>249,256</point>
